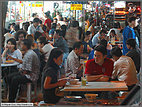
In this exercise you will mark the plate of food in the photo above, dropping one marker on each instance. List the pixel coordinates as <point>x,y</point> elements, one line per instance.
<point>9,61</point>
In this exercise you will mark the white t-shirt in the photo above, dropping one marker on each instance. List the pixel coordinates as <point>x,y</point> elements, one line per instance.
<point>47,49</point>
<point>16,54</point>
<point>117,31</point>
<point>125,70</point>
<point>32,29</point>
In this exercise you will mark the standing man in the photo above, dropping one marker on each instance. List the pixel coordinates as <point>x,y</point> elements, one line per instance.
<point>28,73</point>
<point>129,32</point>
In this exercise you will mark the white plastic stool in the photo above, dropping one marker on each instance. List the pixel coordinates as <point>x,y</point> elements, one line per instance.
<point>29,92</point>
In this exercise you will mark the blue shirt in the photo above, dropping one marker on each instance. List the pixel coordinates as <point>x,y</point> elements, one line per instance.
<point>51,32</point>
<point>85,45</point>
<point>128,32</point>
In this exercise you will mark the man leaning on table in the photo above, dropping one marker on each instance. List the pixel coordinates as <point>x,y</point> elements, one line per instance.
<point>124,68</point>
<point>100,68</point>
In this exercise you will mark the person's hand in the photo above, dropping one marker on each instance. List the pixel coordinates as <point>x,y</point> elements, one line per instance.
<point>62,83</point>
<point>9,57</point>
<point>6,47</point>
<point>104,78</point>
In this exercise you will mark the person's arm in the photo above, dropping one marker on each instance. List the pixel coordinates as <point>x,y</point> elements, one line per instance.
<point>4,52</point>
<point>48,85</point>
<point>15,59</point>
<point>115,72</point>
<point>91,78</point>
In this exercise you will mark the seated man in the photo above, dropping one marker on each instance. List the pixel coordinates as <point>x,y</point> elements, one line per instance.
<point>134,53</point>
<point>100,68</point>
<point>124,68</point>
<point>73,63</point>
<point>28,73</point>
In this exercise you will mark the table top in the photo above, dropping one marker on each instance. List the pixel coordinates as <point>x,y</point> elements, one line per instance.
<point>9,65</point>
<point>98,86</point>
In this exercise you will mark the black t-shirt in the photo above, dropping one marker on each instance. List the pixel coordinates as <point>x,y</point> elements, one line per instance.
<point>49,94</point>
<point>135,55</point>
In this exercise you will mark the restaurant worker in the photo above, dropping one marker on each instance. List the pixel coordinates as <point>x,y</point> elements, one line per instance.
<point>100,68</point>
<point>124,68</point>
<point>50,80</point>
<point>73,62</point>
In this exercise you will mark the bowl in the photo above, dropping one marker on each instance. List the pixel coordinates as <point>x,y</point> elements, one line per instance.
<point>73,81</point>
<point>91,97</point>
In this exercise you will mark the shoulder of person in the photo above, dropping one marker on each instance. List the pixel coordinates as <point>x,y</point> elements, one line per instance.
<point>90,62</point>
<point>108,60</point>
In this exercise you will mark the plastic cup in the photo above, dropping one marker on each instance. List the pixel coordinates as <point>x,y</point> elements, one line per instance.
<point>83,81</point>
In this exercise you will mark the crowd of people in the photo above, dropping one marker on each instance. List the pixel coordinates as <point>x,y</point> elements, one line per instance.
<point>48,51</point>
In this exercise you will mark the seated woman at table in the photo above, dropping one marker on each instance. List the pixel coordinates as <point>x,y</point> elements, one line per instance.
<point>11,52</point>
<point>113,37</point>
<point>100,68</point>
<point>50,80</point>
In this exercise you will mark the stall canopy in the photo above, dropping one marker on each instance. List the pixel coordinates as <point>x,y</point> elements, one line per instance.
<point>76,2</point>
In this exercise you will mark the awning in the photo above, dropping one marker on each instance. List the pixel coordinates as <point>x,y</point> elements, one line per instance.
<point>76,2</point>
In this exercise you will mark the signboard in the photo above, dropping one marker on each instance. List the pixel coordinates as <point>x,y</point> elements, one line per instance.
<point>76,6</point>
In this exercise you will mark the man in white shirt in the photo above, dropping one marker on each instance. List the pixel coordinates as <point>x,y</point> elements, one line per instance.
<point>33,28</point>
<point>100,35</point>
<point>73,63</point>
<point>124,68</point>
<point>44,47</point>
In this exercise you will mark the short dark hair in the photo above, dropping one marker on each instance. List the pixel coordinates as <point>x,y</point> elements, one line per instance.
<point>113,31</point>
<point>131,42</point>
<point>116,51</point>
<point>77,45</point>
<point>103,42</point>
<point>40,21</point>
<point>101,49</point>
<point>13,42</point>
<point>59,32</point>
<point>34,14</point>
<point>102,31</point>
<point>53,25</point>
<point>131,19</point>
<point>43,40</point>
<point>16,27</point>
<point>74,24</point>
<point>87,33</point>
<point>27,43</point>
<point>20,32</point>
<point>36,20</point>
<point>37,35</point>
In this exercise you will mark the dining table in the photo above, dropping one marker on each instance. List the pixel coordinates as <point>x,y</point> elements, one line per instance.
<point>97,86</point>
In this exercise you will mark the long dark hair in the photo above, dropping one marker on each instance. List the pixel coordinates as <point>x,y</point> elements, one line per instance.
<point>55,53</point>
